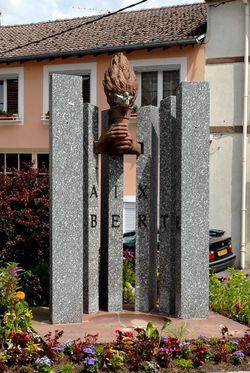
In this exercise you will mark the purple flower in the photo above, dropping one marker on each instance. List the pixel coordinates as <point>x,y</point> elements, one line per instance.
<point>129,254</point>
<point>152,366</point>
<point>184,344</point>
<point>90,360</point>
<point>68,343</point>
<point>164,349</point>
<point>234,342</point>
<point>239,353</point>
<point>203,338</point>
<point>43,360</point>
<point>247,333</point>
<point>14,271</point>
<point>58,348</point>
<point>164,338</point>
<point>89,350</point>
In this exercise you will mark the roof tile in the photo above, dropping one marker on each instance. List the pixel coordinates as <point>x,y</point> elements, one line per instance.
<point>143,27</point>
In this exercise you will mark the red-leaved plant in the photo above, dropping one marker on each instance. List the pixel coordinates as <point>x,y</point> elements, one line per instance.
<point>24,219</point>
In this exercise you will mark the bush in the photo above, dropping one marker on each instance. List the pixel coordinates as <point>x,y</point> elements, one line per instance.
<point>128,276</point>
<point>24,223</point>
<point>15,316</point>
<point>230,296</point>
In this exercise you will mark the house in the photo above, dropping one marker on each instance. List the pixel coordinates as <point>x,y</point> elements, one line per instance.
<point>164,46</point>
<point>226,70</point>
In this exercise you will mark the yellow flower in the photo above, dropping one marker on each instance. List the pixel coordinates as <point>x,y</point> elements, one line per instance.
<point>20,295</point>
<point>28,314</point>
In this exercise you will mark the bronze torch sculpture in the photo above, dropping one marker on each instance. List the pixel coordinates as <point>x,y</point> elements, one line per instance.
<point>120,87</point>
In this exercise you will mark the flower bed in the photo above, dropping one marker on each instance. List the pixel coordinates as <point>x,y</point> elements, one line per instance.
<point>230,296</point>
<point>145,350</point>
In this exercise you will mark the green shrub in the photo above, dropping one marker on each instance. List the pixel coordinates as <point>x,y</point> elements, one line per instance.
<point>129,275</point>
<point>66,368</point>
<point>230,296</point>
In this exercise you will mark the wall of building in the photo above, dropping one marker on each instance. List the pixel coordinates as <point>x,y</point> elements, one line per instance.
<point>225,27</point>
<point>224,71</point>
<point>33,133</point>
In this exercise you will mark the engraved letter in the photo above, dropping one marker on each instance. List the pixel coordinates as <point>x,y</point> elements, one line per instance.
<point>93,223</point>
<point>142,221</point>
<point>142,191</point>
<point>116,191</point>
<point>115,221</point>
<point>93,192</point>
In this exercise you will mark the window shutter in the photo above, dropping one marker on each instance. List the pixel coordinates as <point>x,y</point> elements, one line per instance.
<point>129,216</point>
<point>12,96</point>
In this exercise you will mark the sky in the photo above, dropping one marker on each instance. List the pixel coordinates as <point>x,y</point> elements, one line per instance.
<point>28,11</point>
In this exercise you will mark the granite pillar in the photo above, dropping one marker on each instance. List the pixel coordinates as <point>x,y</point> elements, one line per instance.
<point>146,211</point>
<point>66,199</point>
<point>90,211</point>
<point>167,205</point>
<point>192,207</point>
<point>111,255</point>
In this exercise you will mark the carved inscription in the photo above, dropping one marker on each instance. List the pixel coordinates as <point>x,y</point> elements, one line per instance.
<point>142,220</point>
<point>93,221</point>
<point>93,192</point>
<point>142,191</point>
<point>115,221</point>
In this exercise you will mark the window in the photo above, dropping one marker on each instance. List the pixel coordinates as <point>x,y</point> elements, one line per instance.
<point>11,90</point>
<point>158,78</point>
<point>149,88</point>
<point>86,70</point>
<point>156,85</point>
<point>19,161</point>
<point>171,80</point>
<point>43,161</point>
<point>86,88</point>
<point>13,160</point>
<point>9,95</point>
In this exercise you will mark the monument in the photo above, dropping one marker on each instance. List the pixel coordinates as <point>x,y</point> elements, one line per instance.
<point>86,213</point>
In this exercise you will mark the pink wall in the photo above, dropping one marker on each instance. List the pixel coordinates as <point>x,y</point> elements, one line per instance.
<point>33,135</point>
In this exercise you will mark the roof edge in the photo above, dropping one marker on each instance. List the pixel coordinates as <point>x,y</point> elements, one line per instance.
<point>132,47</point>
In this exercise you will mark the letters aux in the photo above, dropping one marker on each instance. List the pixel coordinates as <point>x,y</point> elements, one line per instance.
<point>115,218</point>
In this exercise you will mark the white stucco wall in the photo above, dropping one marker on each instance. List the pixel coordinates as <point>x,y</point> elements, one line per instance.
<point>225,38</point>
<point>225,187</point>
<point>226,93</point>
<point>225,30</point>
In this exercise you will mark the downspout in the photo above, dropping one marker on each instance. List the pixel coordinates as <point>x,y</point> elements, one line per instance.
<point>244,155</point>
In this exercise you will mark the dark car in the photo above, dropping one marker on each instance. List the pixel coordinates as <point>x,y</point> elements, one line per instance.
<point>221,255</point>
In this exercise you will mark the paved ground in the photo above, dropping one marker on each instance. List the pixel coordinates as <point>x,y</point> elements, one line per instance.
<point>106,323</point>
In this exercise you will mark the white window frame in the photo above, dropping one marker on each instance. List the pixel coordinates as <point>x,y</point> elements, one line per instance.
<point>10,73</point>
<point>34,157</point>
<point>81,68</point>
<point>18,159</point>
<point>159,65</point>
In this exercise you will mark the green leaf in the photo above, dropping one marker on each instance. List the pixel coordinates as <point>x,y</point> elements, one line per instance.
<point>166,324</point>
